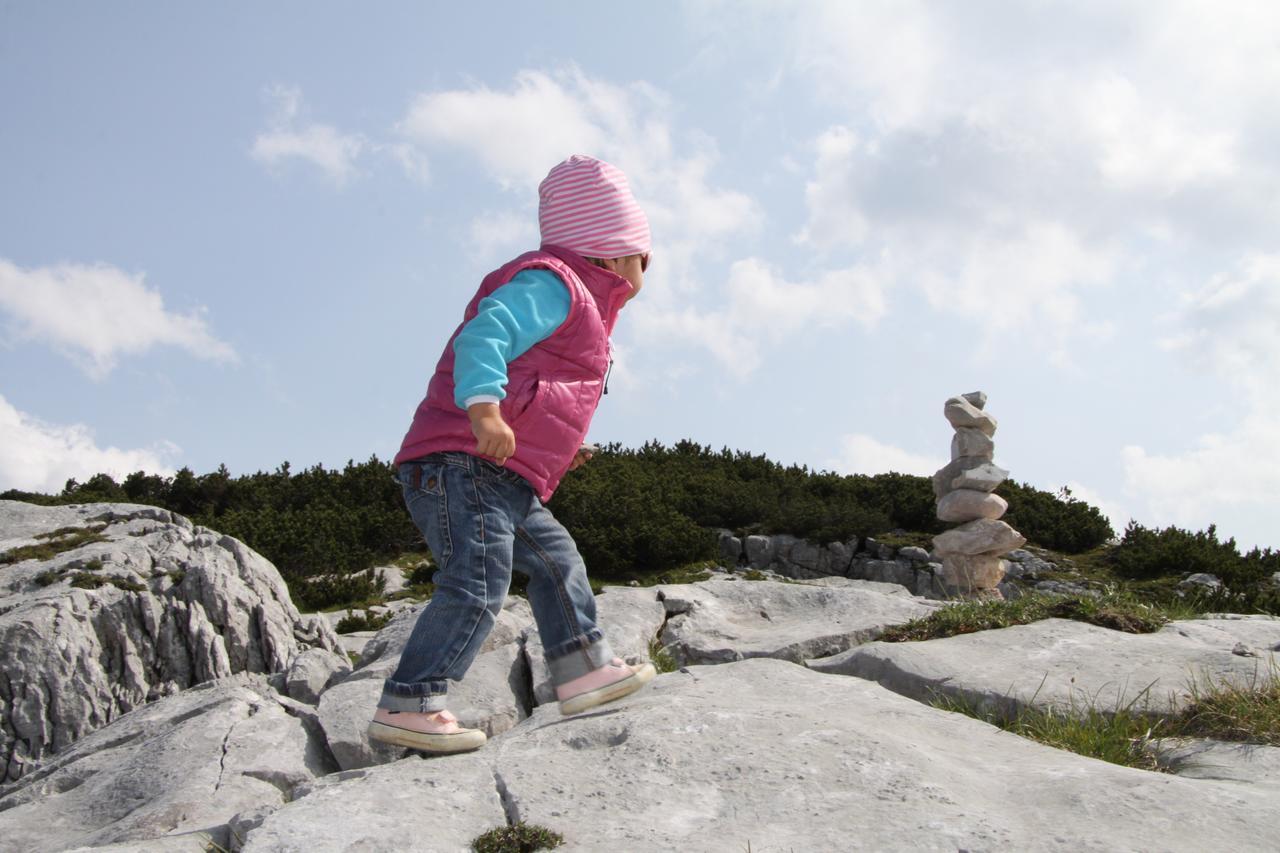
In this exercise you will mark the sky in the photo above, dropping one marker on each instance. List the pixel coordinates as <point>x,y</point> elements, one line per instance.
<point>241,233</point>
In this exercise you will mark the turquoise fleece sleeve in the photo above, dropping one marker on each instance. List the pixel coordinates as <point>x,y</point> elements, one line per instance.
<point>512,319</point>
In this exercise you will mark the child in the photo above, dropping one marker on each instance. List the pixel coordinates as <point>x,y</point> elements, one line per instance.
<point>504,419</point>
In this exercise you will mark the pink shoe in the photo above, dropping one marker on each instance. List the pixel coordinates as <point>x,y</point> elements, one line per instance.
<point>611,681</point>
<point>436,732</point>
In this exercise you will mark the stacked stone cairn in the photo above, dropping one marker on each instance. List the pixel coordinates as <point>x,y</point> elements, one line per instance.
<point>971,554</point>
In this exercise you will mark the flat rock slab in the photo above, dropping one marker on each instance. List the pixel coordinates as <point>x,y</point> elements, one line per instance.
<point>183,764</point>
<point>438,804</point>
<point>1199,758</point>
<point>1070,666</point>
<point>494,694</point>
<point>630,618</point>
<point>718,621</point>
<point>769,754</point>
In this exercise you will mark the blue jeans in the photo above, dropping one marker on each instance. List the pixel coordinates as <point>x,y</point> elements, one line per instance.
<point>481,521</point>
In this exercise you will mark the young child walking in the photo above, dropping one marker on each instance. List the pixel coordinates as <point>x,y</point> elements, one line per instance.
<point>504,419</point>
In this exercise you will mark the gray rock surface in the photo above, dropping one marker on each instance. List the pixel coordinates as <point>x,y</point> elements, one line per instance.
<point>437,804</point>
<point>1067,666</point>
<point>1199,758</point>
<point>983,536</point>
<point>181,605</point>
<point>186,763</point>
<point>767,754</point>
<point>947,474</point>
<point>1201,580</point>
<point>914,554</point>
<point>718,620</point>
<point>971,504</point>
<point>494,695</point>
<point>971,444</point>
<point>311,672</point>
<point>959,412</point>
<point>984,478</point>
<point>630,618</point>
<point>759,551</point>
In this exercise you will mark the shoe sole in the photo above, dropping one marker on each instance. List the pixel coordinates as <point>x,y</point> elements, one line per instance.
<point>463,741</point>
<point>609,692</point>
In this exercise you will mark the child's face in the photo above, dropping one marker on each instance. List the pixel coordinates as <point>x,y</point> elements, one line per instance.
<point>632,269</point>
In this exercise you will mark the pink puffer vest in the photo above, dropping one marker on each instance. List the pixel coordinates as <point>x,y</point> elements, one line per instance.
<point>552,390</point>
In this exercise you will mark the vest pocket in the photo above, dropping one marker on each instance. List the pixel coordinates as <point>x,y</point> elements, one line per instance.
<point>530,400</point>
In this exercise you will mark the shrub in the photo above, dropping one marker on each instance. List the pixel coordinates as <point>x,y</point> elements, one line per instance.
<point>1060,522</point>
<point>520,837</point>
<point>1147,553</point>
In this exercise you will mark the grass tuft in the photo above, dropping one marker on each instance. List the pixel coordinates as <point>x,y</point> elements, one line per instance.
<point>1114,609</point>
<point>661,659</point>
<point>58,541</point>
<point>367,622</point>
<point>520,837</point>
<point>1223,710</point>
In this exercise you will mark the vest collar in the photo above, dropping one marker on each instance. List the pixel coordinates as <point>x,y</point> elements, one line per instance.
<point>608,289</point>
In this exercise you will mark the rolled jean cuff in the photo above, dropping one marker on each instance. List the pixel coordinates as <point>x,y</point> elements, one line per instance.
<point>426,697</point>
<point>578,656</point>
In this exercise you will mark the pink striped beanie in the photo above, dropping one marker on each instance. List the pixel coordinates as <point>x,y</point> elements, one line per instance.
<point>585,205</point>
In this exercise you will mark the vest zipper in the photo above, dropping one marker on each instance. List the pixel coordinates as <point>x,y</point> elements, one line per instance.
<point>606,376</point>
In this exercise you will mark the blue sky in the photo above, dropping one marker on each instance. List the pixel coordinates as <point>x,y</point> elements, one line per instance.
<point>242,233</point>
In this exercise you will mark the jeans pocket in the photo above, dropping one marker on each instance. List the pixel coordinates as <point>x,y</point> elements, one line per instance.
<point>427,499</point>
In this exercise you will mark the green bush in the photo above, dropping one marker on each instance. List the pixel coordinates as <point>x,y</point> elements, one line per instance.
<point>1146,553</point>
<point>1060,522</point>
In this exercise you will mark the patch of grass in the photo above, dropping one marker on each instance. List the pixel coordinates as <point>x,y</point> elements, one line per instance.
<point>661,658</point>
<point>905,540</point>
<point>521,837</point>
<point>58,541</point>
<point>754,575</point>
<point>46,578</point>
<point>1224,710</point>
<point>368,622</point>
<point>1115,609</point>
<point>688,573</point>
<point>88,580</point>
<point>177,576</point>
<point>1117,737</point>
<point>1230,711</point>
<point>93,565</point>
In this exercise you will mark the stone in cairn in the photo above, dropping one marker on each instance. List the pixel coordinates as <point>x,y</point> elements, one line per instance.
<point>971,553</point>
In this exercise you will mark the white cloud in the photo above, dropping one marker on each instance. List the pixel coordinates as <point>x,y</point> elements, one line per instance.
<point>502,231</point>
<point>41,457</point>
<point>322,145</point>
<point>94,314</point>
<point>760,308</point>
<point>1232,326</point>
<point>1230,329</point>
<point>863,454</point>
<point>516,135</point>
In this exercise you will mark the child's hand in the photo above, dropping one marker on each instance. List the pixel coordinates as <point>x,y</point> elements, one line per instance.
<point>582,457</point>
<point>493,436</point>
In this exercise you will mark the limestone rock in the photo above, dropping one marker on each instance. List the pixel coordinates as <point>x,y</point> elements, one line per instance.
<point>759,551</point>
<point>977,399</point>
<point>730,546</point>
<point>438,804</point>
<point>979,537</point>
<point>766,752</point>
<point>970,504</point>
<point>310,673</point>
<point>985,478</point>
<point>630,619</point>
<point>944,478</point>
<point>960,413</point>
<point>1201,580</point>
<point>914,554</point>
<point>1066,666</point>
<point>185,763</point>
<point>966,574</point>
<point>494,694</point>
<point>178,605</point>
<point>717,621</point>
<point>972,443</point>
<point>1200,758</point>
